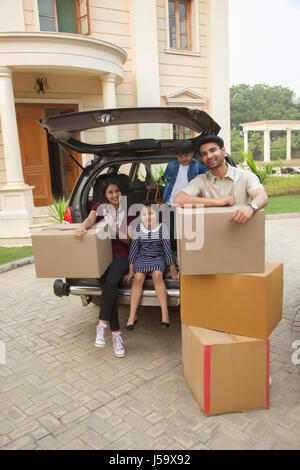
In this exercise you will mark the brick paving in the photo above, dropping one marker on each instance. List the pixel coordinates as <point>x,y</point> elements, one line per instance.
<point>57,391</point>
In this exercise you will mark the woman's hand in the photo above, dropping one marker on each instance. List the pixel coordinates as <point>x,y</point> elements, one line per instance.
<point>79,232</point>
<point>128,276</point>
<point>112,225</point>
<point>173,273</point>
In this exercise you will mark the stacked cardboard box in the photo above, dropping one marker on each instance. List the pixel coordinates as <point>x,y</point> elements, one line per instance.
<point>231,301</point>
<point>58,254</point>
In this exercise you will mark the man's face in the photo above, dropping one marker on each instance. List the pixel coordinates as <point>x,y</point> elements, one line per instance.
<point>185,158</point>
<point>212,156</point>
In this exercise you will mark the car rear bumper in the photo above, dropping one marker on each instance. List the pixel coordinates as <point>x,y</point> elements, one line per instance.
<point>90,290</point>
<point>149,296</point>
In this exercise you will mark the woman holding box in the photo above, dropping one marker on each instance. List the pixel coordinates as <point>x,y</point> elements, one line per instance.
<point>117,219</point>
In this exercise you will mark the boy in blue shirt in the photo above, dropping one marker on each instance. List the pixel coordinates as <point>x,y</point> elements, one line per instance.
<point>180,172</point>
<point>177,176</point>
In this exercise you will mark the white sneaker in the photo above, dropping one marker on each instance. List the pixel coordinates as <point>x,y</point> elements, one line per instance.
<point>118,347</point>
<point>270,381</point>
<point>100,339</point>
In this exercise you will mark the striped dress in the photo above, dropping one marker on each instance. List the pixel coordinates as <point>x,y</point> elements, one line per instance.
<point>150,250</point>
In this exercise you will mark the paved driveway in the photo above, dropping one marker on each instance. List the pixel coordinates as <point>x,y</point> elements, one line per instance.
<point>60,392</point>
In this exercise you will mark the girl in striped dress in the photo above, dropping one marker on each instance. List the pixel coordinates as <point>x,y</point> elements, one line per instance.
<point>150,251</point>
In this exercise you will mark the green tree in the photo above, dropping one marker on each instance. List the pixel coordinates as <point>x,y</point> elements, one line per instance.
<point>237,145</point>
<point>258,103</point>
<point>262,102</point>
<point>278,148</point>
<point>256,144</point>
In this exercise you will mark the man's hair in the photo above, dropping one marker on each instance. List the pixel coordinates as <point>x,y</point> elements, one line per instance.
<point>210,138</point>
<point>184,146</point>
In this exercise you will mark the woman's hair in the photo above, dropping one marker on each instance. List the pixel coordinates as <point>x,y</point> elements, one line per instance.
<point>101,193</point>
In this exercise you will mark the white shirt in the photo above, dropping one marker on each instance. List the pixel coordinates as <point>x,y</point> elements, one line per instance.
<point>237,183</point>
<point>180,183</point>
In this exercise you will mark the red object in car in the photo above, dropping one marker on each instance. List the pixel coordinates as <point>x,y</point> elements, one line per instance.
<point>68,215</point>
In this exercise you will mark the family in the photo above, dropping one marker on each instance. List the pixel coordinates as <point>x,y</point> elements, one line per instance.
<point>212,182</point>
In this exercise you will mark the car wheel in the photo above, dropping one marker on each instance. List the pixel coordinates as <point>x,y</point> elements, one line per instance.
<point>60,288</point>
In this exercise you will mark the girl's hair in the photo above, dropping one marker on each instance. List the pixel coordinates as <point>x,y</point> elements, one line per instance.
<point>101,196</point>
<point>154,206</point>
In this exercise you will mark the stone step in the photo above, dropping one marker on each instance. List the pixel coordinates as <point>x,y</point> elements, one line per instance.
<point>33,228</point>
<point>40,218</point>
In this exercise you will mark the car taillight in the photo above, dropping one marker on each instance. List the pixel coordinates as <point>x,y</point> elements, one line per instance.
<point>68,215</point>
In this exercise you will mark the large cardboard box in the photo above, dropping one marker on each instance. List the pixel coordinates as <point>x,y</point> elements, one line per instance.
<point>243,304</point>
<point>226,373</point>
<point>58,254</point>
<point>209,244</point>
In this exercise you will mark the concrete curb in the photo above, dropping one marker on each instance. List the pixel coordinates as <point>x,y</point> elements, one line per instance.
<point>16,264</point>
<point>292,215</point>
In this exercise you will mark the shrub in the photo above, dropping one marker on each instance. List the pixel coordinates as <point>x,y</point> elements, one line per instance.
<point>261,171</point>
<point>57,211</point>
<point>281,185</point>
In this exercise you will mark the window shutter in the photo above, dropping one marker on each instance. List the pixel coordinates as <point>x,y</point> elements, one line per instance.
<point>83,17</point>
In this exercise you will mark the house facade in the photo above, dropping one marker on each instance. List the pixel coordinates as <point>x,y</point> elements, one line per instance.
<point>60,56</point>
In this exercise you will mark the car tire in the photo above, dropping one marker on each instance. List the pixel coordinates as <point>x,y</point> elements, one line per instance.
<point>60,288</point>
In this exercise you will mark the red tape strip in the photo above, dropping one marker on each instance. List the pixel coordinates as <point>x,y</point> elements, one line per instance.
<point>268,375</point>
<point>207,379</point>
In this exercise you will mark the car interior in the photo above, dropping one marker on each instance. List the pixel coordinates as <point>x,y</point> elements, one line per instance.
<point>135,180</point>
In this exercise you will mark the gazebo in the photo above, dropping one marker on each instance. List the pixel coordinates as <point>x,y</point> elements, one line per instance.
<point>266,127</point>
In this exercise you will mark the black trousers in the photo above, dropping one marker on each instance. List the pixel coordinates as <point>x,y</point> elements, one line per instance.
<point>109,301</point>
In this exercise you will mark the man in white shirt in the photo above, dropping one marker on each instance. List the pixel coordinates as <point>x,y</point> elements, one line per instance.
<point>223,184</point>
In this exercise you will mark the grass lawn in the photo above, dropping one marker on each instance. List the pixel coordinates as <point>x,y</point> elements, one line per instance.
<point>283,204</point>
<point>8,254</point>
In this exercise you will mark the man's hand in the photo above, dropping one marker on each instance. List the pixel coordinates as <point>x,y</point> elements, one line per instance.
<point>128,276</point>
<point>224,201</point>
<point>79,232</point>
<point>241,215</point>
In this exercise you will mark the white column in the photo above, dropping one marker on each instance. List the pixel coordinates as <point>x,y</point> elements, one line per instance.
<point>145,59</point>
<point>13,162</point>
<point>16,199</point>
<point>246,141</point>
<point>110,101</point>
<point>218,66</point>
<point>288,144</point>
<point>267,153</point>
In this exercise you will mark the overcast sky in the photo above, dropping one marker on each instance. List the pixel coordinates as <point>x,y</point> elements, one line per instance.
<point>265,42</point>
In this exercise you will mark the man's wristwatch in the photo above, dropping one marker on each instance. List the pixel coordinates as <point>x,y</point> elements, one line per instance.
<point>253,205</point>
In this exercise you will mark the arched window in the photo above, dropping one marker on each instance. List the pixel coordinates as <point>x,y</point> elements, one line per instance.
<point>67,16</point>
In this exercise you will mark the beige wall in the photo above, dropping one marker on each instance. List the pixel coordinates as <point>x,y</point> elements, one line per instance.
<point>113,25</point>
<point>2,161</point>
<point>29,18</point>
<point>111,21</point>
<point>11,15</point>
<point>181,70</point>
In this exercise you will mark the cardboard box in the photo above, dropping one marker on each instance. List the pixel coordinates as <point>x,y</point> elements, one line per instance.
<point>58,254</point>
<point>242,304</point>
<point>226,373</point>
<point>209,244</point>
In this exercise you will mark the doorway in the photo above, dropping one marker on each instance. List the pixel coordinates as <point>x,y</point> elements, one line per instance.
<point>45,165</point>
